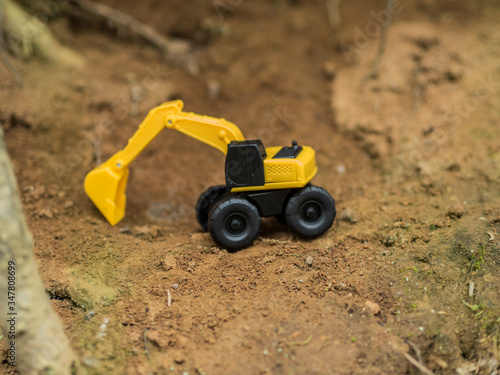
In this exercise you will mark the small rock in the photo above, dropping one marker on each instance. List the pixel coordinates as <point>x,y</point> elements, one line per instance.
<point>89,315</point>
<point>309,260</point>
<point>47,212</point>
<point>169,262</point>
<point>455,212</point>
<point>149,232</point>
<point>373,307</point>
<point>348,215</point>
<point>361,273</point>
<point>125,229</point>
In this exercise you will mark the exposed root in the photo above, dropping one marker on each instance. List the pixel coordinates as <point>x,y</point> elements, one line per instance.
<point>175,51</point>
<point>3,54</point>
<point>36,38</point>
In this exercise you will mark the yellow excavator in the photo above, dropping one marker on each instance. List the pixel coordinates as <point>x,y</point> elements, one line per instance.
<point>260,182</point>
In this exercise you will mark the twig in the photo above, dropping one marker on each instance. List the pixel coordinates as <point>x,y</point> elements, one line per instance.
<point>469,270</point>
<point>471,288</point>
<point>146,345</point>
<point>3,53</point>
<point>415,349</point>
<point>417,364</point>
<point>169,298</point>
<point>301,343</point>
<point>175,51</point>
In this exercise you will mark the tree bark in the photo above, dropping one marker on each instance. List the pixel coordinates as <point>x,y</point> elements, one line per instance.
<point>28,322</point>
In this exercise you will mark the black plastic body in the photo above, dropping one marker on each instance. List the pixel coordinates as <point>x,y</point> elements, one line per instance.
<point>289,152</point>
<point>268,202</point>
<point>245,164</point>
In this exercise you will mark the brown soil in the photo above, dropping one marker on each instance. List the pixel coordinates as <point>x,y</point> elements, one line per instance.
<point>411,156</point>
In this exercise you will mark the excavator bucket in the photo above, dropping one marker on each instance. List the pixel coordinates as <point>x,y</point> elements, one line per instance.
<point>105,186</point>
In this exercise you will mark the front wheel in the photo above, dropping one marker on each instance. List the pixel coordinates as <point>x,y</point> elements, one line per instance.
<point>310,212</point>
<point>234,223</point>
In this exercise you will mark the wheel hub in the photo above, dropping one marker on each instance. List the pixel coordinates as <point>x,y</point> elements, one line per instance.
<point>310,212</point>
<point>235,224</point>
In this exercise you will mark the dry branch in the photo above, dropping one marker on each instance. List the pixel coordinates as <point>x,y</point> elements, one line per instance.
<point>175,51</point>
<point>424,370</point>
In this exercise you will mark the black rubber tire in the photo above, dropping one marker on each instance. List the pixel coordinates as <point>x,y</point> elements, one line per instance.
<point>205,203</point>
<point>234,223</point>
<point>310,212</point>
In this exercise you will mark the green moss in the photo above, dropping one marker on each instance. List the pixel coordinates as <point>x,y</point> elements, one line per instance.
<point>479,258</point>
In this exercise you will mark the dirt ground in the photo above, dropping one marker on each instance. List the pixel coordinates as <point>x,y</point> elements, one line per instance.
<point>407,279</point>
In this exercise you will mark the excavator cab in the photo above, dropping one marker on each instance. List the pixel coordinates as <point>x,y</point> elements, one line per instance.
<point>260,182</point>
<point>245,164</point>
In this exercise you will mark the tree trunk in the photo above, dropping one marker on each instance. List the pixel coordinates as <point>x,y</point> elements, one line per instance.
<point>35,339</point>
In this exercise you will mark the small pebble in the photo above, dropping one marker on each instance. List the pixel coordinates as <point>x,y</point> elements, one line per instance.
<point>309,260</point>
<point>373,307</point>
<point>89,315</point>
<point>455,212</point>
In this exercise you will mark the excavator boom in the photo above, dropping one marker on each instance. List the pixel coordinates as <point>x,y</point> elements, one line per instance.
<point>106,184</point>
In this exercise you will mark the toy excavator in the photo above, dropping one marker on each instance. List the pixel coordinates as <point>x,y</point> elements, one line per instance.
<point>259,182</point>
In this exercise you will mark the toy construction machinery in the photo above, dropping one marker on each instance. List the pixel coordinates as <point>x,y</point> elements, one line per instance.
<point>259,182</point>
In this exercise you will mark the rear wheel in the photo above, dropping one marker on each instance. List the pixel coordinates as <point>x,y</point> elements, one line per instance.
<point>310,212</point>
<point>205,203</point>
<point>234,223</point>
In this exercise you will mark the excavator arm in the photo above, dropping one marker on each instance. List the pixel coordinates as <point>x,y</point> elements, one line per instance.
<point>106,184</point>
